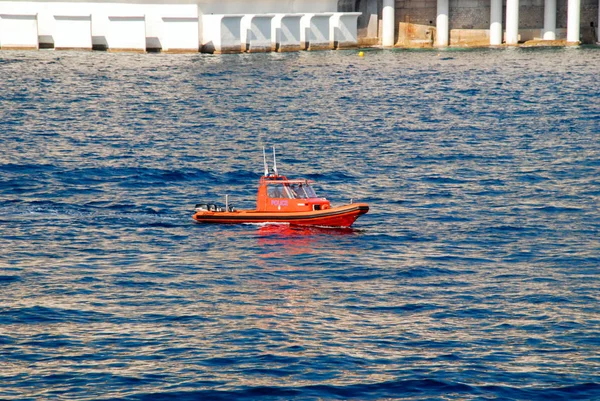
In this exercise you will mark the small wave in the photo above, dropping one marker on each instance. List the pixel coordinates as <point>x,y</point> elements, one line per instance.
<point>9,279</point>
<point>443,180</point>
<point>394,389</point>
<point>42,314</point>
<point>454,258</point>
<point>583,391</point>
<point>559,209</point>
<point>508,228</point>
<point>532,178</point>
<point>424,271</point>
<point>97,212</point>
<point>401,309</point>
<point>353,278</point>
<point>175,318</point>
<point>27,168</point>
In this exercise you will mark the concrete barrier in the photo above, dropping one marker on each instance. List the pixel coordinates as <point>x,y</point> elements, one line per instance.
<point>285,32</point>
<point>19,31</point>
<point>127,34</point>
<point>314,31</point>
<point>221,33</point>
<point>180,35</point>
<point>72,32</point>
<point>256,33</point>
<point>344,30</point>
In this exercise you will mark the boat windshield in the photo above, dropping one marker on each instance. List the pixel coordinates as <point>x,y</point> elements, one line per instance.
<point>277,191</point>
<point>303,191</point>
<point>291,191</point>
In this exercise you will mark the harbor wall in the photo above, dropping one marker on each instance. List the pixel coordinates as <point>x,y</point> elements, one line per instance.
<point>111,22</point>
<point>222,26</point>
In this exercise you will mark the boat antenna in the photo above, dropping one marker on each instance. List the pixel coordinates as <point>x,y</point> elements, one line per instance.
<point>274,162</point>
<point>265,161</point>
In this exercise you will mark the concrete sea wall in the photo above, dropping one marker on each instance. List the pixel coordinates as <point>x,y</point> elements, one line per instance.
<point>469,21</point>
<point>177,25</point>
<point>232,26</point>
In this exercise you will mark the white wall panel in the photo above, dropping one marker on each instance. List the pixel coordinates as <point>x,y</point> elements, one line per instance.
<point>100,11</point>
<point>180,34</point>
<point>157,29</point>
<point>126,33</point>
<point>19,31</point>
<point>72,32</point>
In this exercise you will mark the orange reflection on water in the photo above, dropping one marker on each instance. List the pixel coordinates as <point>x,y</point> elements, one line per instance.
<point>296,240</point>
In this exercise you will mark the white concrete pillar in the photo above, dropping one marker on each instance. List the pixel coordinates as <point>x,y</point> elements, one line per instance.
<point>443,9</point>
<point>573,20</point>
<point>549,20</point>
<point>549,32</point>
<point>512,22</point>
<point>496,22</point>
<point>388,22</point>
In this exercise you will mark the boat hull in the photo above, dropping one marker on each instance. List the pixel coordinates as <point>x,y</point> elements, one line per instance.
<point>342,216</point>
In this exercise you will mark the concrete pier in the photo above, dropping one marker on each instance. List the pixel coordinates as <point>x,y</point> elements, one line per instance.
<point>221,33</point>
<point>343,30</point>
<point>285,32</point>
<point>314,31</point>
<point>256,33</point>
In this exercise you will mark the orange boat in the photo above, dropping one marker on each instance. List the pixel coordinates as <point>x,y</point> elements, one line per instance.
<point>281,200</point>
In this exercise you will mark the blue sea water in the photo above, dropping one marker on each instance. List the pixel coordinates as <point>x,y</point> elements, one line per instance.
<point>473,277</point>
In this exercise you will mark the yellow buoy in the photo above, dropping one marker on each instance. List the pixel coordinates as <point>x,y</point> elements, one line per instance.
<point>361,54</point>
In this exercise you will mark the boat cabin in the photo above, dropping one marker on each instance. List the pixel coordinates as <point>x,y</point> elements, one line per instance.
<point>278,194</point>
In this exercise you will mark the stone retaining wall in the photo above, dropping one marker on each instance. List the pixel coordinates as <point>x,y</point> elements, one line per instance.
<point>469,21</point>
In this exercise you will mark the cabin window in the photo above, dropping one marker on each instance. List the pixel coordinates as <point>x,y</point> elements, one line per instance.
<point>302,191</point>
<point>275,191</point>
<point>291,191</point>
<point>280,191</point>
